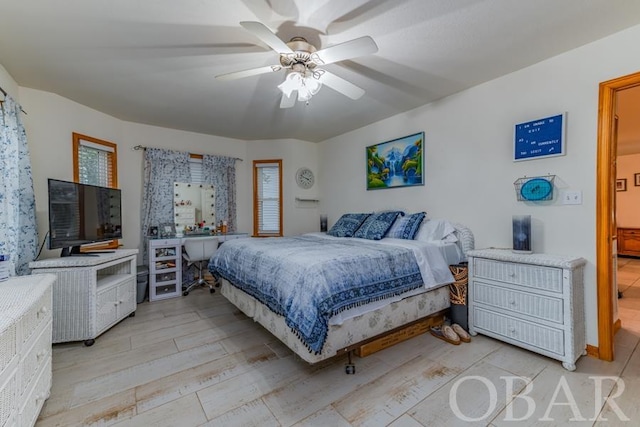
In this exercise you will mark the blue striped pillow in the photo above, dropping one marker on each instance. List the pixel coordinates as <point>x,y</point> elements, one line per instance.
<point>407,227</point>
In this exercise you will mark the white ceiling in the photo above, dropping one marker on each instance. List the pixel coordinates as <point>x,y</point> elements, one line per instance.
<point>154,61</point>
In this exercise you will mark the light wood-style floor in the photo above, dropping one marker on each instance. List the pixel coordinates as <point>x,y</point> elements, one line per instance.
<point>197,361</point>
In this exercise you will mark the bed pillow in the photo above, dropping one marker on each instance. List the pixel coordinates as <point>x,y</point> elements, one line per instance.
<point>347,225</point>
<point>377,225</point>
<point>436,229</point>
<point>406,227</point>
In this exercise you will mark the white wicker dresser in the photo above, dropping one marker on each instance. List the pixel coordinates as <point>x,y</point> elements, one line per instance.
<point>535,301</point>
<point>91,293</point>
<point>25,348</point>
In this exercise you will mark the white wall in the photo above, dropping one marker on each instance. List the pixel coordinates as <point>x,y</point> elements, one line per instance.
<point>628,202</point>
<point>49,124</point>
<point>468,146</point>
<point>8,84</point>
<point>299,217</point>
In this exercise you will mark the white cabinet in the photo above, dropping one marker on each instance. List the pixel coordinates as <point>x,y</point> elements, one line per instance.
<point>535,301</point>
<point>91,293</point>
<point>165,268</point>
<point>25,348</point>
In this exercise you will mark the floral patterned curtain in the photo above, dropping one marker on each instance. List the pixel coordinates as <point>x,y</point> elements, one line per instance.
<point>221,172</point>
<point>161,169</point>
<point>18,232</point>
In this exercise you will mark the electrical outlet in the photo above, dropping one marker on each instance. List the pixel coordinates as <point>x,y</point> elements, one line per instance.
<point>572,198</point>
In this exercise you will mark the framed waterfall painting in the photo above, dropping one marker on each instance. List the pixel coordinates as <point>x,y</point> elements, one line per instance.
<point>396,163</point>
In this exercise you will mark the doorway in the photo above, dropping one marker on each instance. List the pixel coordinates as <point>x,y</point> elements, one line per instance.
<point>606,237</point>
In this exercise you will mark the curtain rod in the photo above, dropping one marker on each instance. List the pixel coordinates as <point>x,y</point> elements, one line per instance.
<point>142,147</point>
<point>4,92</point>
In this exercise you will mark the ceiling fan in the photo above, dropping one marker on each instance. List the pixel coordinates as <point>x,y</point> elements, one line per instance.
<point>303,61</point>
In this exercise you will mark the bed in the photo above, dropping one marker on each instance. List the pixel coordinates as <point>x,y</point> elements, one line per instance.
<point>271,280</point>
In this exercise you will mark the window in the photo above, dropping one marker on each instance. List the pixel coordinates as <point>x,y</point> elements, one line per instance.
<point>267,197</point>
<point>195,167</point>
<point>95,163</point>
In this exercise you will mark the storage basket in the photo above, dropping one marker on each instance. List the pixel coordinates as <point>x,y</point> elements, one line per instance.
<point>458,289</point>
<point>458,295</point>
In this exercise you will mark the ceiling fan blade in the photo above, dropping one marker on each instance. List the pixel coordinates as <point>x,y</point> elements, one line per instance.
<point>347,50</point>
<point>247,73</point>
<point>339,84</point>
<point>289,101</point>
<point>266,35</point>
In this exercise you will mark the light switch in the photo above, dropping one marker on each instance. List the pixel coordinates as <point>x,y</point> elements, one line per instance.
<point>572,198</point>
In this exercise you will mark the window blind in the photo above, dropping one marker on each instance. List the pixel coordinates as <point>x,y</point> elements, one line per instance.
<point>195,167</point>
<point>268,190</point>
<point>95,164</point>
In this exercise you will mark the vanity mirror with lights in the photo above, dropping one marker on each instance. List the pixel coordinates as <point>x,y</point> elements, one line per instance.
<point>192,204</point>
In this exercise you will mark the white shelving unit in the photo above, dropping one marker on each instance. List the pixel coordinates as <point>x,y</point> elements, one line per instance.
<point>91,293</point>
<point>25,348</point>
<point>534,301</point>
<point>165,268</point>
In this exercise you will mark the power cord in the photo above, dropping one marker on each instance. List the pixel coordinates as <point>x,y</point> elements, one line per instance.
<point>42,245</point>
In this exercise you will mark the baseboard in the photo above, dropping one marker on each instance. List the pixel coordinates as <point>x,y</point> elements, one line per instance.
<point>593,351</point>
<point>617,325</point>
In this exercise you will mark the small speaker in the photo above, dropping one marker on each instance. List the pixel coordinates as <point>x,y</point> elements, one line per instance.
<point>522,234</point>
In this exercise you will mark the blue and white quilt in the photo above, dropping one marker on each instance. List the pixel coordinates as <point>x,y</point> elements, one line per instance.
<point>307,279</point>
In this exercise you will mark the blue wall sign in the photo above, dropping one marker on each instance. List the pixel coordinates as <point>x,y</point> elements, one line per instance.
<point>540,138</point>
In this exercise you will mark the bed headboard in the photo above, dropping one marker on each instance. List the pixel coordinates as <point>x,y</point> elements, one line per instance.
<point>465,237</point>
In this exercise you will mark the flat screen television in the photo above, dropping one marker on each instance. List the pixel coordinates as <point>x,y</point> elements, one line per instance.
<point>80,214</point>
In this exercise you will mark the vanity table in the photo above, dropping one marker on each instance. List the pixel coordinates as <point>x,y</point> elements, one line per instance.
<point>165,263</point>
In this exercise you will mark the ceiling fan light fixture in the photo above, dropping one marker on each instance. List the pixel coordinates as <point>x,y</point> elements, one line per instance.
<point>304,83</point>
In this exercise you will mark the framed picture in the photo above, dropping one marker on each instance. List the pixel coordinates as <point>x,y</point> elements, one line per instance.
<point>153,231</point>
<point>167,230</point>
<point>636,177</point>
<point>396,163</point>
<point>621,184</point>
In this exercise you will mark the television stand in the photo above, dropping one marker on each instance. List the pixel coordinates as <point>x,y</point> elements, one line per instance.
<point>91,294</point>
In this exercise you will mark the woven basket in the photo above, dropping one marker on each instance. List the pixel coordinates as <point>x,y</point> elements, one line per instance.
<point>458,289</point>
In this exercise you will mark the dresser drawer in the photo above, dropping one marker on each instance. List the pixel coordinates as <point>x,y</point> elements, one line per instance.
<point>532,276</point>
<point>519,331</point>
<point>8,346</point>
<point>8,399</point>
<point>35,358</point>
<point>37,316</point>
<point>538,306</point>
<point>35,398</point>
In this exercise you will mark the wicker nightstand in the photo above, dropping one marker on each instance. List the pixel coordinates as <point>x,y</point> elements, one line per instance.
<point>534,301</point>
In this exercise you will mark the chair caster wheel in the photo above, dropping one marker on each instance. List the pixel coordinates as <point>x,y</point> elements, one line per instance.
<point>350,369</point>
<point>132,314</point>
<point>185,293</point>
<point>89,343</point>
<point>213,291</point>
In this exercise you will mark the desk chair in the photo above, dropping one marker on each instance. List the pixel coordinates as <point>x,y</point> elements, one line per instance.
<point>198,250</point>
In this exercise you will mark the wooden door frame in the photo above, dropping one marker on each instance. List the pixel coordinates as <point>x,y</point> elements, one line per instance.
<point>605,188</point>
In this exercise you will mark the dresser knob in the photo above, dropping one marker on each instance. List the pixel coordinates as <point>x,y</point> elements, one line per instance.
<point>512,302</point>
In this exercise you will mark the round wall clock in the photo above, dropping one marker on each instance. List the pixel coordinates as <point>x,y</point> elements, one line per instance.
<point>304,178</point>
<point>536,189</point>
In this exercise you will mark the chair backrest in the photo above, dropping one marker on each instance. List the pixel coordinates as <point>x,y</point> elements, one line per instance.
<point>200,248</point>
